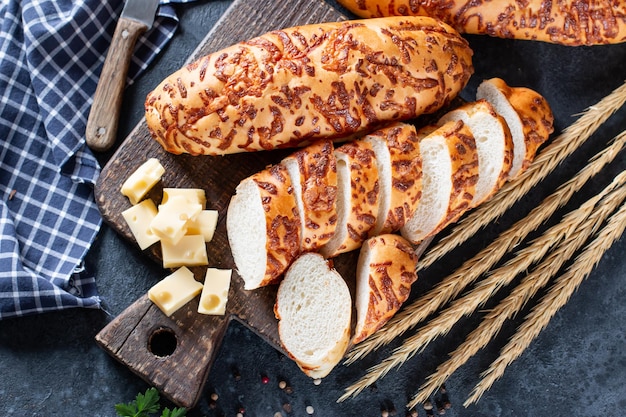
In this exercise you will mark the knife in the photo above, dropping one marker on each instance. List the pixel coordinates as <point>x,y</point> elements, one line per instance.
<point>137,17</point>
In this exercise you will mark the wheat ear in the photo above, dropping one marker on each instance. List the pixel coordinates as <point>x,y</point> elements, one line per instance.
<point>452,285</point>
<point>557,297</point>
<point>562,146</point>
<point>577,232</point>
<point>503,276</point>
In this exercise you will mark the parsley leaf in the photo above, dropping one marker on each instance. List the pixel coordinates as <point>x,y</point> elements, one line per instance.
<point>145,405</point>
<point>176,412</point>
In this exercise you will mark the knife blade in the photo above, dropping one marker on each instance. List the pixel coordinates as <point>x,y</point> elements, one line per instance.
<point>136,18</point>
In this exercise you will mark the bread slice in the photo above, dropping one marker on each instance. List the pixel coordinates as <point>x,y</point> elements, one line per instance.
<point>450,174</point>
<point>385,273</point>
<point>313,173</point>
<point>314,308</point>
<point>263,227</point>
<point>493,142</point>
<point>399,173</point>
<point>527,114</point>
<point>357,197</point>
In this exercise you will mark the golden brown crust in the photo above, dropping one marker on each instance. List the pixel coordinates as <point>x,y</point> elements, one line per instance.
<point>318,178</point>
<point>483,105</point>
<point>364,194</point>
<point>566,22</point>
<point>282,221</point>
<point>294,85</point>
<point>406,173</point>
<point>464,158</point>
<point>391,272</point>
<point>535,114</point>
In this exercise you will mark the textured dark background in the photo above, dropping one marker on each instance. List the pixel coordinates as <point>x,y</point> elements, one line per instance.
<point>51,366</point>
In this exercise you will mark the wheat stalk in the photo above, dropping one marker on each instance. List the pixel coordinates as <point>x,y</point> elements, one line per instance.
<point>466,305</point>
<point>552,155</point>
<point>452,285</point>
<point>557,297</point>
<point>577,233</point>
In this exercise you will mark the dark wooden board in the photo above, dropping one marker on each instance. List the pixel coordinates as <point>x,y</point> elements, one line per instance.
<point>130,337</point>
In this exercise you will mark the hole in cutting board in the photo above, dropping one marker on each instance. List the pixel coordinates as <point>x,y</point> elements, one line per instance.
<point>162,342</point>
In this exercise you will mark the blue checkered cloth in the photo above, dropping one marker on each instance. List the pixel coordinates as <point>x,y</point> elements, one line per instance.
<point>51,54</point>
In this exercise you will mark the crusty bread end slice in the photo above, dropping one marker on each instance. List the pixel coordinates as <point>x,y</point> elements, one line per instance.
<point>314,308</point>
<point>528,115</point>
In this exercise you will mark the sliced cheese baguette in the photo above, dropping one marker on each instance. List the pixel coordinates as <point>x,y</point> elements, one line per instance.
<point>313,173</point>
<point>358,193</point>
<point>386,269</point>
<point>326,80</point>
<point>313,307</point>
<point>566,22</point>
<point>450,173</point>
<point>527,114</point>
<point>493,143</point>
<point>400,175</point>
<point>263,226</point>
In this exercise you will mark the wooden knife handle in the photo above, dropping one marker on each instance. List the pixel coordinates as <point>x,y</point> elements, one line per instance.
<point>104,115</point>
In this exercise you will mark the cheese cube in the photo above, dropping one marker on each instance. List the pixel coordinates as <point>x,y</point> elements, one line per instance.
<point>203,224</point>
<point>193,195</point>
<point>190,250</point>
<point>174,291</point>
<point>171,220</point>
<point>138,218</point>
<point>215,292</point>
<point>142,180</point>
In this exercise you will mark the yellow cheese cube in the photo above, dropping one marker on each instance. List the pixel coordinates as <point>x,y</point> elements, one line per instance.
<point>193,195</point>
<point>138,218</point>
<point>174,291</point>
<point>215,292</point>
<point>171,220</point>
<point>190,250</point>
<point>203,224</point>
<point>142,180</point>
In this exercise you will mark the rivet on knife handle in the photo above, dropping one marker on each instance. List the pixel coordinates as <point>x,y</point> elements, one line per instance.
<point>103,117</point>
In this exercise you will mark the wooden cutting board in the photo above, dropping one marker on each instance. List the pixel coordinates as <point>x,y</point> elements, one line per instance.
<point>175,353</point>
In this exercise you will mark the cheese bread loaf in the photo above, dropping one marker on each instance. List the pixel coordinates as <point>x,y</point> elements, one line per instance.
<point>566,22</point>
<point>291,86</point>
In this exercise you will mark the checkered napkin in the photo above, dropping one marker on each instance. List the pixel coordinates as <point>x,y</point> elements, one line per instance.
<point>51,54</point>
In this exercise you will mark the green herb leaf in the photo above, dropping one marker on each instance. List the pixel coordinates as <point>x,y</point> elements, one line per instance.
<point>176,412</point>
<point>142,406</point>
<point>149,402</point>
